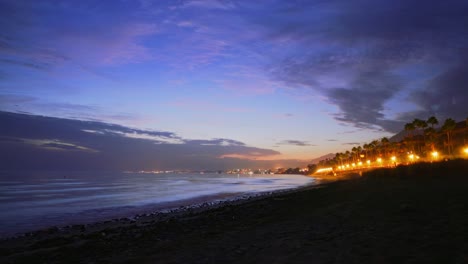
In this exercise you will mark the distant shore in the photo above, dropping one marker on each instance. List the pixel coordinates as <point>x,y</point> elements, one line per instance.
<point>409,214</point>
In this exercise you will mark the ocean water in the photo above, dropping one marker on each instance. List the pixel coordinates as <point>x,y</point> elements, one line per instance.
<point>31,201</point>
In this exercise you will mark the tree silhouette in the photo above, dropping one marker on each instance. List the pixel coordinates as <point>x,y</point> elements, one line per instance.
<point>385,142</point>
<point>448,127</point>
<point>430,132</point>
<point>409,128</point>
<point>432,121</point>
<point>420,125</point>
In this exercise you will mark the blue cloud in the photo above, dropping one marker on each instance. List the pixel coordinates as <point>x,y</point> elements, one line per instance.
<point>38,142</point>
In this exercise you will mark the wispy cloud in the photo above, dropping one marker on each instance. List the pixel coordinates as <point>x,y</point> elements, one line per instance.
<point>299,143</point>
<point>209,4</point>
<point>351,143</point>
<point>49,144</point>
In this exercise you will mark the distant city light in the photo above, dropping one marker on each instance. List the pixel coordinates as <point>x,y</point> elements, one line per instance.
<point>435,154</point>
<point>368,162</point>
<point>379,160</point>
<point>465,150</point>
<point>393,158</point>
<point>411,156</point>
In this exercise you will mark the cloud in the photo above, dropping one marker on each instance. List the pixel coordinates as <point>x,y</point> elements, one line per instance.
<point>351,143</point>
<point>362,103</point>
<point>42,35</point>
<point>56,145</point>
<point>38,142</point>
<point>216,142</point>
<point>32,65</point>
<point>360,60</point>
<point>209,4</point>
<point>445,95</point>
<point>299,143</point>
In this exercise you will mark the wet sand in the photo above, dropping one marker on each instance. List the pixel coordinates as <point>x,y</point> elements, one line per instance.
<point>411,214</point>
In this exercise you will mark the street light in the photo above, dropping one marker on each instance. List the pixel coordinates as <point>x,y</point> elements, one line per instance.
<point>435,154</point>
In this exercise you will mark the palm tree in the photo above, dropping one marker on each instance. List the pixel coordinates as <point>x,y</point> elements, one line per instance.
<point>339,158</point>
<point>366,150</point>
<point>432,121</point>
<point>385,143</point>
<point>448,126</point>
<point>420,125</point>
<point>375,147</point>
<point>409,127</point>
<point>431,132</point>
<point>359,151</point>
<point>355,151</point>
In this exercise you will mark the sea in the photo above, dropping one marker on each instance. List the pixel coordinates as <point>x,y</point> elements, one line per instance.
<point>31,201</point>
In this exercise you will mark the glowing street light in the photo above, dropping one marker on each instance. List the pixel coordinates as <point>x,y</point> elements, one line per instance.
<point>368,162</point>
<point>393,158</point>
<point>379,160</point>
<point>360,163</point>
<point>465,151</point>
<point>411,157</point>
<point>435,154</point>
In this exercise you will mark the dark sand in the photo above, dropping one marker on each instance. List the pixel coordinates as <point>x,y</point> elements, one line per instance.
<point>411,214</point>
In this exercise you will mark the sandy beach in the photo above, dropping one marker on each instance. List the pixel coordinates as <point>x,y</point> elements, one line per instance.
<point>410,214</point>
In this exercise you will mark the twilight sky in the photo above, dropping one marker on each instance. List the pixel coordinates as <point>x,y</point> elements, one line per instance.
<point>263,80</point>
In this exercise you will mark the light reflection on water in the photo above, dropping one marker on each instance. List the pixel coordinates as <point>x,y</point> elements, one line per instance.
<point>29,203</point>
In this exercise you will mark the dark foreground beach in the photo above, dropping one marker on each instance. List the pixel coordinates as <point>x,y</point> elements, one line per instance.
<point>410,214</point>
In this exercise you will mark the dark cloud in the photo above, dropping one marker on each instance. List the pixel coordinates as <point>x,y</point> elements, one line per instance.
<point>35,66</point>
<point>362,103</point>
<point>296,143</point>
<point>446,95</point>
<point>45,143</point>
<point>359,53</point>
<point>351,143</point>
<point>332,140</point>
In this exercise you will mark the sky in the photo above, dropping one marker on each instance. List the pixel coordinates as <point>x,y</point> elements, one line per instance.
<point>269,83</point>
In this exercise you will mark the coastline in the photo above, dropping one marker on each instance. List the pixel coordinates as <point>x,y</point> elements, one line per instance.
<point>130,204</point>
<point>411,214</point>
<point>129,215</point>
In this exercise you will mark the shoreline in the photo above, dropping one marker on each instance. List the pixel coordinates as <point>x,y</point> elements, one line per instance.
<point>128,213</point>
<point>413,214</point>
<point>158,212</point>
